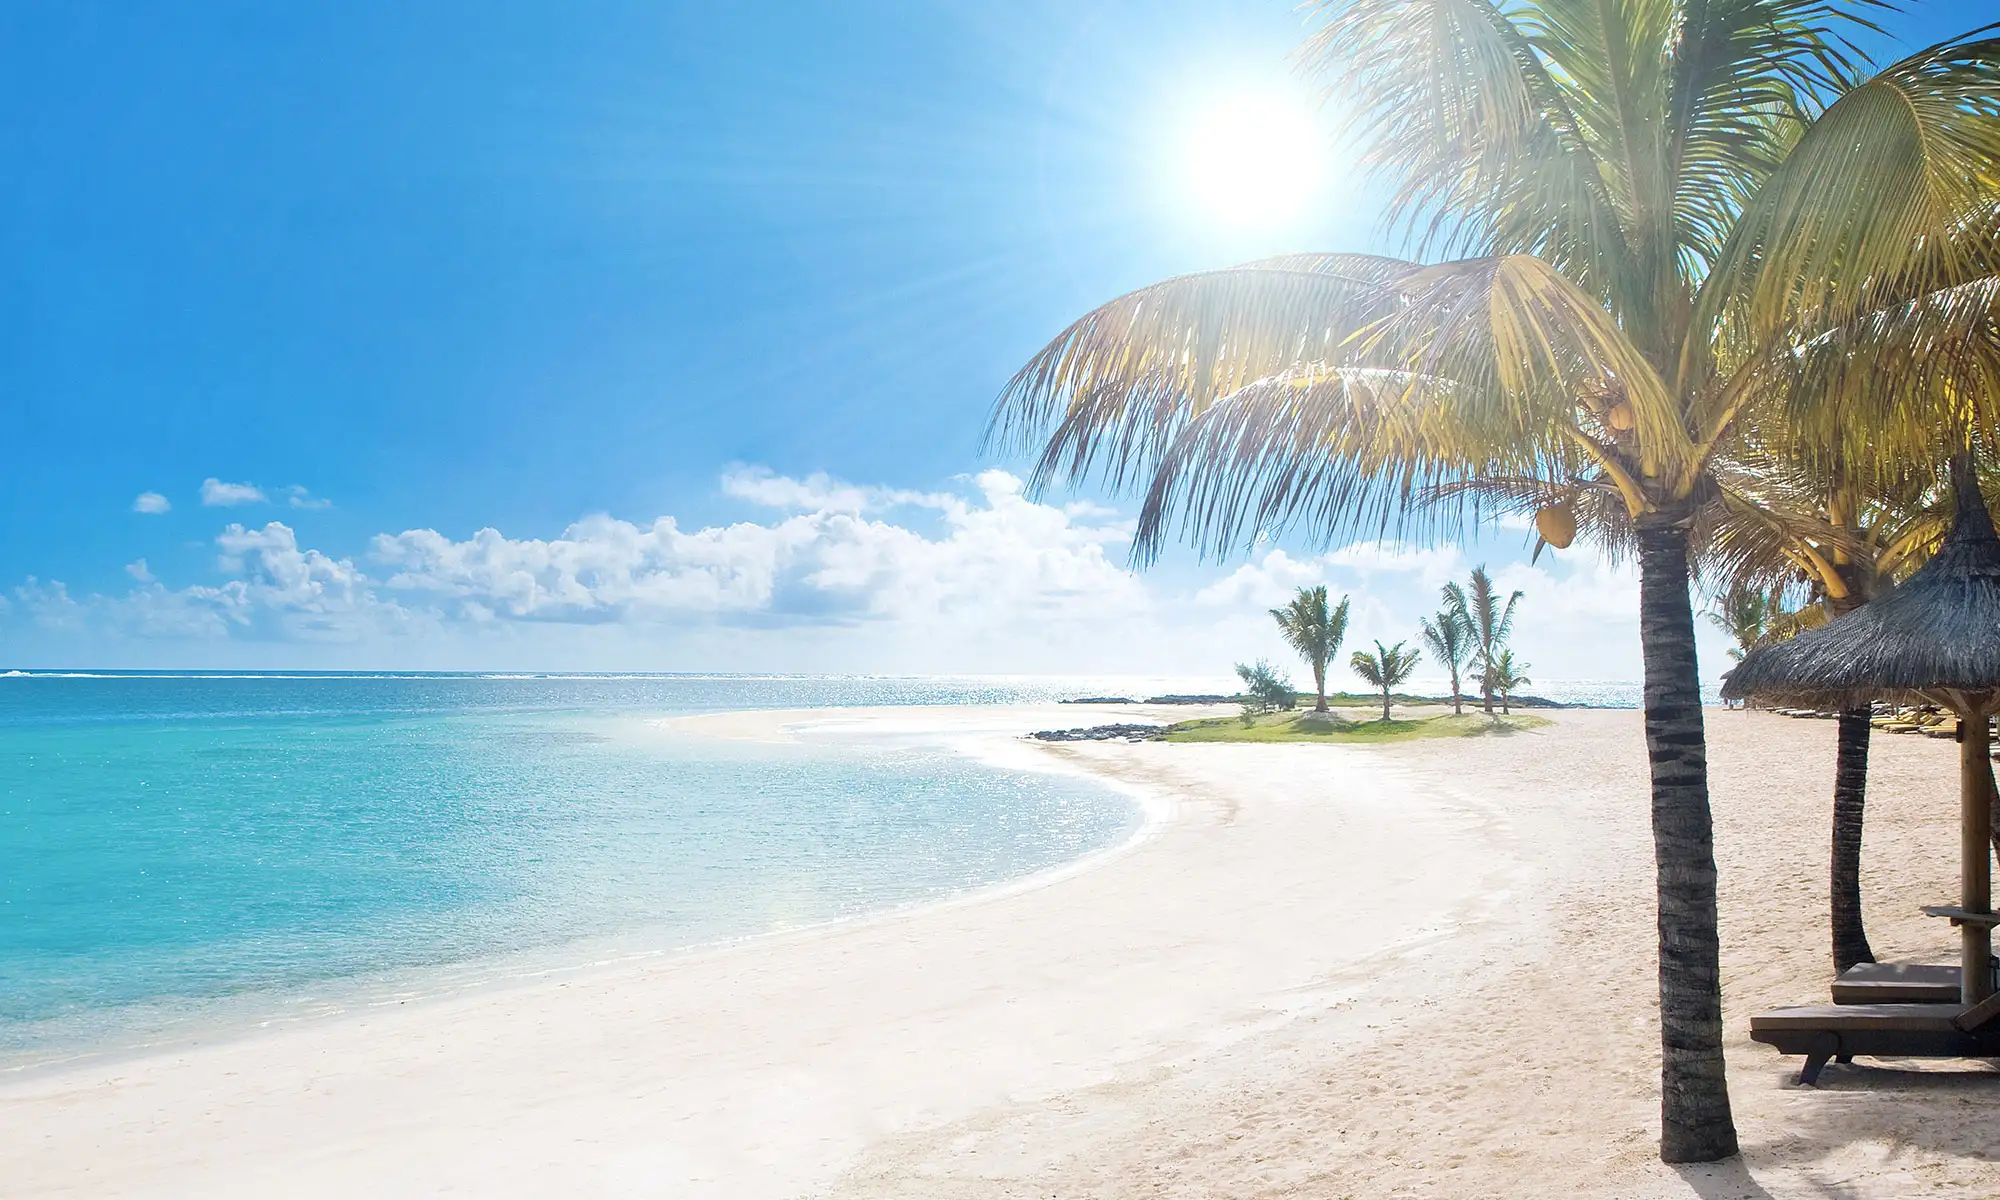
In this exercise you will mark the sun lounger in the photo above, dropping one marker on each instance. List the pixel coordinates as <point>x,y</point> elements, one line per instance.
<point>1896,983</point>
<point>1840,1031</point>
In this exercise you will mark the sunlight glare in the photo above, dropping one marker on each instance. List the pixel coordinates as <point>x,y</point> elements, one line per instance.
<point>1254,161</point>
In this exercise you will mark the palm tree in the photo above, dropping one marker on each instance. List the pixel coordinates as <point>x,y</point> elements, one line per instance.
<point>1315,632</point>
<point>1746,614</point>
<point>1490,621</point>
<point>1872,523</point>
<point>1450,639</point>
<point>1674,218</point>
<point>1508,677</point>
<point>1387,668</point>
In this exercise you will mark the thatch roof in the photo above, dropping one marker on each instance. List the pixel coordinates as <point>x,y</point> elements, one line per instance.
<point>1938,632</point>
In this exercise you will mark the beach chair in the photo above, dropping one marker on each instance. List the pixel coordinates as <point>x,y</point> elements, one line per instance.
<point>1897,983</point>
<point>1824,1033</point>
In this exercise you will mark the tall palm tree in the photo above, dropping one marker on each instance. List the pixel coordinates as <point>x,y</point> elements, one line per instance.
<point>1668,213</point>
<point>1315,631</point>
<point>1508,677</point>
<point>1490,621</point>
<point>1449,637</point>
<point>1386,668</point>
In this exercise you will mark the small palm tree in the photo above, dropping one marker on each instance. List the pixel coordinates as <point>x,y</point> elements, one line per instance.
<point>1747,614</point>
<point>1508,677</point>
<point>1315,632</point>
<point>1450,640</point>
<point>1490,622</point>
<point>1387,668</point>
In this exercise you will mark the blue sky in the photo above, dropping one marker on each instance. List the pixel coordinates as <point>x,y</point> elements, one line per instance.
<point>404,273</point>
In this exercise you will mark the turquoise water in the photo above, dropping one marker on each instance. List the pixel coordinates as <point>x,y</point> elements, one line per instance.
<point>179,849</point>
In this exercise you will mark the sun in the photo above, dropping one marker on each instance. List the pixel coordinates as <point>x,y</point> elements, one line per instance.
<point>1254,161</point>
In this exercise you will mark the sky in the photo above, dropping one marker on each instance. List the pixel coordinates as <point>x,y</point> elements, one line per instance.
<point>644,336</point>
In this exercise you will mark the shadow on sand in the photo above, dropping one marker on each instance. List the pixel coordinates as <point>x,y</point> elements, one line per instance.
<point>1726,1180</point>
<point>1885,1102</point>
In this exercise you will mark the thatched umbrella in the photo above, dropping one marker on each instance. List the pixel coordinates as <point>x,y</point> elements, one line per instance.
<point>1935,639</point>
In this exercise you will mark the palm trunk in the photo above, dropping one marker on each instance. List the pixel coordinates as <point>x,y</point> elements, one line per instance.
<point>1385,703</point>
<point>1504,710</point>
<point>1486,691</point>
<point>1850,794</point>
<point>1695,1121</point>
<point>1319,687</point>
<point>1457,702</point>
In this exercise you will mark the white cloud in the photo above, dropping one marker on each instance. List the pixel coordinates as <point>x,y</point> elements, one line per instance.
<point>150,503</point>
<point>298,497</point>
<point>217,494</point>
<point>1007,559</point>
<point>820,492</point>
<point>816,492</point>
<point>274,592</point>
<point>48,604</point>
<point>1266,583</point>
<point>1004,557</point>
<point>281,590</point>
<point>1429,566</point>
<point>1270,581</point>
<point>600,569</point>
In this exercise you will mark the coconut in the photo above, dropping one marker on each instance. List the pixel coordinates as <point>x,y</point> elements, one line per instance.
<point>1622,417</point>
<point>1557,524</point>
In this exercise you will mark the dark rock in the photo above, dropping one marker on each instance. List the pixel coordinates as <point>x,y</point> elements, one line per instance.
<point>1193,699</point>
<point>1098,700</point>
<point>1531,702</point>
<point>1104,733</point>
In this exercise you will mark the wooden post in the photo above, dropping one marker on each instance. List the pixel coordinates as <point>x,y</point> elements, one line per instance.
<point>1974,854</point>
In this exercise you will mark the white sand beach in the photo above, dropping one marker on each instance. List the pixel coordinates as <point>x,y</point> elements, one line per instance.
<point>1420,969</point>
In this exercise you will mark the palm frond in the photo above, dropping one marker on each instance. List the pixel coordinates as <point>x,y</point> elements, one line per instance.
<point>1119,382</point>
<point>1881,184</point>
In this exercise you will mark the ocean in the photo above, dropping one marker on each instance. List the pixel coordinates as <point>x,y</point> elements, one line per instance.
<point>183,850</point>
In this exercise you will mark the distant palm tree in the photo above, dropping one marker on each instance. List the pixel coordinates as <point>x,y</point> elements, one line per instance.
<point>1508,677</point>
<point>1450,640</point>
<point>1315,632</point>
<point>1387,668</point>
<point>1490,621</point>
<point>1747,614</point>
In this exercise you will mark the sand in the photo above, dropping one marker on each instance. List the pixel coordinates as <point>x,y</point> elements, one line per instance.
<point>1423,969</point>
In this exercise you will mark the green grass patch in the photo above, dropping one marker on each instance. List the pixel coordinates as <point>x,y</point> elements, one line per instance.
<point>1305,727</point>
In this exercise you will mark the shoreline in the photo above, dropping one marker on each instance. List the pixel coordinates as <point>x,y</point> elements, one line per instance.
<point>248,1015</point>
<point>1118,985</point>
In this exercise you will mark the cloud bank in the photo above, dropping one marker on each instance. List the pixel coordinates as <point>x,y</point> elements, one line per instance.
<point>834,576</point>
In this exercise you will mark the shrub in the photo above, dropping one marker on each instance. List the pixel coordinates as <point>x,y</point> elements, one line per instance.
<point>1264,689</point>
